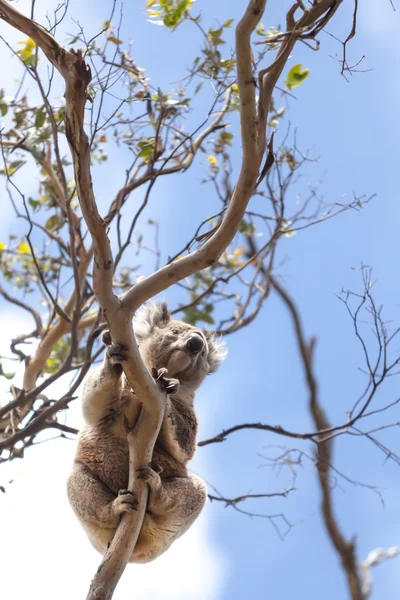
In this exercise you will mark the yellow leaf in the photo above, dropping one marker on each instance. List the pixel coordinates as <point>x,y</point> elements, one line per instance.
<point>114,40</point>
<point>212,160</point>
<point>103,138</point>
<point>26,52</point>
<point>29,44</point>
<point>236,263</point>
<point>2,246</point>
<point>239,251</point>
<point>235,88</point>
<point>23,248</point>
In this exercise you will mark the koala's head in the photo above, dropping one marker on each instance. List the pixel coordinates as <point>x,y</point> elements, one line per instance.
<point>187,352</point>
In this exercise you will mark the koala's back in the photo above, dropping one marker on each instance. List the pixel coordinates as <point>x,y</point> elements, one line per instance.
<point>105,455</point>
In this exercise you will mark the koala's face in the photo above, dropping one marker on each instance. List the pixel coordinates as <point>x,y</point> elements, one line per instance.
<point>187,352</point>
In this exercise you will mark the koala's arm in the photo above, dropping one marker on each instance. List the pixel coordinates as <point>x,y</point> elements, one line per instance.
<point>103,393</point>
<point>102,390</point>
<point>179,430</point>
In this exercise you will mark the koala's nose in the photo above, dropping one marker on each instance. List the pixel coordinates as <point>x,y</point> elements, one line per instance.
<point>195,343</point>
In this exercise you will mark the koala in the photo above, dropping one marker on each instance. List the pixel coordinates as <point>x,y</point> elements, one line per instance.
<point>97,485</point>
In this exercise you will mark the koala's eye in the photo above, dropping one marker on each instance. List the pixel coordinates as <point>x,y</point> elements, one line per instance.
<point>175,331</point>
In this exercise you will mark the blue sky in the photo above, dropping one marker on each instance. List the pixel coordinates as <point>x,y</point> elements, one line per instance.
<point>353,127</point>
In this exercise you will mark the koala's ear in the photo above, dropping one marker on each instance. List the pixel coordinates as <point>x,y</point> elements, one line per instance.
<point>152,314</point>
<point>217,350</point>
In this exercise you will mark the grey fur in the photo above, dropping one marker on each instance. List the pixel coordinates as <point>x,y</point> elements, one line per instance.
<point>96,486</point>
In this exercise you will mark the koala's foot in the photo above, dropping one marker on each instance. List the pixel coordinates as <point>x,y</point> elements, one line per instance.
<point>169,386</point>
<point>124,502</point>
<point>158,500</point>
<point>116,353</point>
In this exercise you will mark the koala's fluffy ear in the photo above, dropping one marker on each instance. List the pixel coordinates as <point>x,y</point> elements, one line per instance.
<point>151,315</point>
<point>217,350</point>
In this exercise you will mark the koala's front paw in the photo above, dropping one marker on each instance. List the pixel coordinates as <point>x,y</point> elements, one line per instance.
<point>169,386</point>
<point>125,502</point>
<point>116,353</point>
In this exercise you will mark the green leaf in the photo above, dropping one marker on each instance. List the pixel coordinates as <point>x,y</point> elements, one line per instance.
<point>58,355</point>
<point>172,19</point>
<point>40,117</point>
<point>3,109</point>
<point>33,203</point>
<point>193,314</point>
<point>296,76</point>
<point>12,168</point>
<point>246,228</point>
<point>227,137</point>
<point>228,65</point>
<point>198,88</point>
<point>146,148</point>
<point>52,222</point>
<point>6,375</point>
<point>214,36</point>
<point>169,13</point>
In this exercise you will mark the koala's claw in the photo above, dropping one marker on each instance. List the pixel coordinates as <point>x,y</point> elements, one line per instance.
<point>117,353</point>
<point>172,387</point>
<point>126,501</point>
<point>148,474</point>
<point>169,386</point>
<point>106,338</point>
<point>158,501</point>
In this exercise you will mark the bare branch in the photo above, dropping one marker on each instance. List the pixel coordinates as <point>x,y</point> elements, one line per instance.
<point>344,548</point>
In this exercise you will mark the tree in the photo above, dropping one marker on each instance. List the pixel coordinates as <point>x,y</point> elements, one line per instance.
<point>224,271</point>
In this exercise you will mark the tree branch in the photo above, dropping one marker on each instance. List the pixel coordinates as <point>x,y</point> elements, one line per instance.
<point>344,548</point>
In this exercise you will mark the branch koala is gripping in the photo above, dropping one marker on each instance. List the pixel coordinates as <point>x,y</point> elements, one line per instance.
<point>97,484</point>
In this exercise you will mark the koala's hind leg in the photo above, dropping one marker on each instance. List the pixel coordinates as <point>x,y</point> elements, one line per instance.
<point>96,506</point>
<point>174,504</point>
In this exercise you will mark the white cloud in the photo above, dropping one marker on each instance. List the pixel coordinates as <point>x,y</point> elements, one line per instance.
<point>42,540</point>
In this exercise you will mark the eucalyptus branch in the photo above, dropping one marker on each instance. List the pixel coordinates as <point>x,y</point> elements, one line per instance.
<point>344,548</point>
